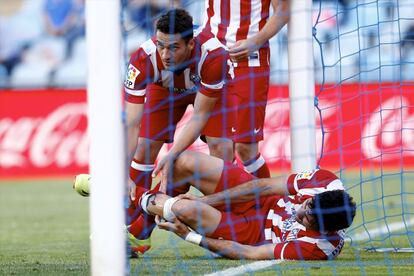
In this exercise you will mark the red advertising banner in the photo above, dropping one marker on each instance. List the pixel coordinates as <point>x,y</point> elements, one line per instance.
<point>367,126</point>
<point>43,132</point>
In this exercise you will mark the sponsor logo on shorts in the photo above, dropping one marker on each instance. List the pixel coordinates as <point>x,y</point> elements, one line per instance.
<point>256,130</point>
<point>131,76</point>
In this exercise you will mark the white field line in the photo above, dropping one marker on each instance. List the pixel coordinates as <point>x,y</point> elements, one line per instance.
<point>247,268</point>
<point>260,265</point>
<point>395,226</point>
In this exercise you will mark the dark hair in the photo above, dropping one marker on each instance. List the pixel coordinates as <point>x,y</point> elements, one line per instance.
<point>333,210</point>
<point>176,21</point>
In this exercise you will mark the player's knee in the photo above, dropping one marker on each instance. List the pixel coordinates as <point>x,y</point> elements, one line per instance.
<point>184,162</point>
<point>185,210</point>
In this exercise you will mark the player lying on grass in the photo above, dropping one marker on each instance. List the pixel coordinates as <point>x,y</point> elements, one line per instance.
<point>298,217</point>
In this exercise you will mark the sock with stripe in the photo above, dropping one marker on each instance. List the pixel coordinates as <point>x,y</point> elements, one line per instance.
<point>144,224</point>
<point>140,174</point>
<point>257,167</point>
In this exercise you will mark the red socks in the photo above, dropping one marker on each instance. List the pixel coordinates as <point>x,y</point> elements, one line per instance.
<point>257,167</point>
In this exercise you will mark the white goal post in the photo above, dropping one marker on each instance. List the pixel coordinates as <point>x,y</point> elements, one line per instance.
<point>106,134</point>
<point>301,86</point>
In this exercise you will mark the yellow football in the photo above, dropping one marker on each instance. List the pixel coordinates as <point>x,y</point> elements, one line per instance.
<point>81,184</point>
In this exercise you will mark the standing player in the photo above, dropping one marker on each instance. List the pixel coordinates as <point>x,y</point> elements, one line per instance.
<point>165,75</point>
<point>255,219</point>
<point>245,27</point>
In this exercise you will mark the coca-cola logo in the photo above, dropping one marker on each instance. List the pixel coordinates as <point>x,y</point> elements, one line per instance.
<point>57,139</point>
<point>389,131</point>
<point>276,146</point>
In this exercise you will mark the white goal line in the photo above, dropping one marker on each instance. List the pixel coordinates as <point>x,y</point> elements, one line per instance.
<point>392,227</point>
<point>247,268</point>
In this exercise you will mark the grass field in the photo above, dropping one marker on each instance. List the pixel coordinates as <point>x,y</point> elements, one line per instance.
<point>44,231</point>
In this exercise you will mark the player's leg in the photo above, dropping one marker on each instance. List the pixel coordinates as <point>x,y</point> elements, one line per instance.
<point>252,160</point>
<point>158,126</point>
<point>250,87</point>
<point>245,226</point>
<point>217,131</point>
<point>207,173</point>
<point>197,215</point>
<point>221,148</point>
<point>142,165</point>
<point>199,170</point>
<point>140,173</point>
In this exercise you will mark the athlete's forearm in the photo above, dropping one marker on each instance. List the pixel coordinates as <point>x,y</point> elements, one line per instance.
<point>133,114</point>
<point>235,250</point>
<point>248,191</point>
<point>275,23</point>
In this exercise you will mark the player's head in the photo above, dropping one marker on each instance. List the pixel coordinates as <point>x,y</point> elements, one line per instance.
<point>328,211</point>
<point>175,40</point>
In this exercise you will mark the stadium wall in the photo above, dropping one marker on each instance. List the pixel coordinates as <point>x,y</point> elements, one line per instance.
<point>43,132</point>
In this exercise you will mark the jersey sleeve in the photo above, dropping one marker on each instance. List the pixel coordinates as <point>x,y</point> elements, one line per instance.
<point>139,74</point>
<point>214,72</point>
<point>298,250</point>
<point>306,184</point>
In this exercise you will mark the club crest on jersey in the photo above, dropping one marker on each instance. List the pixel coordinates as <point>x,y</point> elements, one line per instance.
<point>131,76</point>
<point>305,175</point>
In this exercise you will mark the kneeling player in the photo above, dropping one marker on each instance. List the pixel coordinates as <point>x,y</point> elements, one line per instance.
<point>165,75</point>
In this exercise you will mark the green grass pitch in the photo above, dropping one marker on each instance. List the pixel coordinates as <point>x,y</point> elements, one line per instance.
<point>44,231</point>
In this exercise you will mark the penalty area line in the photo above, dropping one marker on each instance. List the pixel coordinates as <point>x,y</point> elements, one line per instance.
<point>384,230</point>
<point>248,268</point>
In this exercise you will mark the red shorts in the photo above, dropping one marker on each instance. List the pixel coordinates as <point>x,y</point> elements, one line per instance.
<point>163,110</point>
<point>241,222</point>
<point>248,92</point>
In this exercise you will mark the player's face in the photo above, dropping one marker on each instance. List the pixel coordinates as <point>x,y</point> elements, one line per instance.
<point>304,217</point>
<point>173,50</point>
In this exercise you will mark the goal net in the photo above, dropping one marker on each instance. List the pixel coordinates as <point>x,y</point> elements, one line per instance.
<point>364,56</point>
<point>364,61</point>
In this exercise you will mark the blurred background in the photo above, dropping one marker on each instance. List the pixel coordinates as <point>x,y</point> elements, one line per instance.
<point>43,41</point>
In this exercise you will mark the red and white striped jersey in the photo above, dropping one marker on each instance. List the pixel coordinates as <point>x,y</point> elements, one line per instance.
<point>207,70</point>
<point>233,20</point>
<point>292,239</point>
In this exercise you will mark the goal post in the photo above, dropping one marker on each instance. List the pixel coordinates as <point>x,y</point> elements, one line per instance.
<point>107,152</point>
<point>301,86</point>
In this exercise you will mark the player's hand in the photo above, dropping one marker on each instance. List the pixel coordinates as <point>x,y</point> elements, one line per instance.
<point>242,49</point>
<point>188,196</point>
<point>177,227</point>
<point>164,167</point>
<point>131,189</point>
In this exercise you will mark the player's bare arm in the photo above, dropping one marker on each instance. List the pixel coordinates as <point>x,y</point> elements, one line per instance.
<point>243,48</point>
<point>226,248</point>
<point>133,114</point>
<point>248,191</point>
<point>235,250</point>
